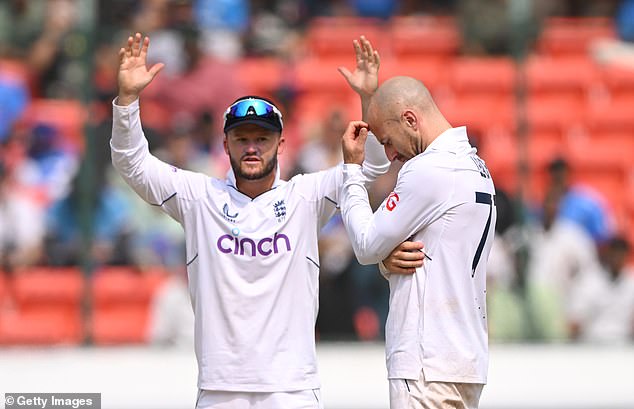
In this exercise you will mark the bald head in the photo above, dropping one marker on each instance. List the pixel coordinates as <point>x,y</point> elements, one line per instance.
<point>398,93</point>
<point>403,115</point>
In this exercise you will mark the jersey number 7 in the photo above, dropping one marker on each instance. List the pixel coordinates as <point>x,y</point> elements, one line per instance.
<point>487,199</point>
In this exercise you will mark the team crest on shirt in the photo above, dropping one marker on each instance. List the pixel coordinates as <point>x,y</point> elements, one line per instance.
<point>227,216</point>
<point>391,201</point>
<point>279,209</point>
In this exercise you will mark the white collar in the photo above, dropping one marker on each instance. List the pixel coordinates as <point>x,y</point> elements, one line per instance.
<point>450,140</point>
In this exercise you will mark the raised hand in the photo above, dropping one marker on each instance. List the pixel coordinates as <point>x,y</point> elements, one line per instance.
<point>405,258</point>
<point>133,74</point>
<point>365,78</point>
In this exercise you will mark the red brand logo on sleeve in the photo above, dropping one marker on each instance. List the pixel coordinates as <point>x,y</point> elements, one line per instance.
<point>391,201</point>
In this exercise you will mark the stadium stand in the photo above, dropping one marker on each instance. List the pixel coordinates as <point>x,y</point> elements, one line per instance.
<point>121,300</point>
<point>47,303</point>
<point>565,36</point>
<point>573,108</point>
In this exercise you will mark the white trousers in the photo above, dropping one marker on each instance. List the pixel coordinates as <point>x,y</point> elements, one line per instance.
<point>305,399</point>
<point>420,394</point>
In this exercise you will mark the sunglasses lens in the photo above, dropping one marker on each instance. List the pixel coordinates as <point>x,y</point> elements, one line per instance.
<point>253,110</point>
<point>250,107</point>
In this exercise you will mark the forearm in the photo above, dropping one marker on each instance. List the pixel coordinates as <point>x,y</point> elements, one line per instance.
<point>358,218</point>
<point>375,163</point>
<point>131,156</point>
<point>365,102</point>
<point>128,145</point>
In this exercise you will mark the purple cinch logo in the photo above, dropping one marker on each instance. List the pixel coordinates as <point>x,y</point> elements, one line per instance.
<point>228,243</point>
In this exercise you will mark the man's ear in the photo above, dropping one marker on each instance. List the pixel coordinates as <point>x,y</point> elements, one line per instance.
<point>281,145</point>
<point>224,144</point>
<point>410,119</point>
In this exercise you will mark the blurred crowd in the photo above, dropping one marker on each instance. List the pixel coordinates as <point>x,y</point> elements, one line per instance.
<point>559,269</point>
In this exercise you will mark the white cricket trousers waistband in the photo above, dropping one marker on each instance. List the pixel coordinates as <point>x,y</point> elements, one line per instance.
<point>305,399</point>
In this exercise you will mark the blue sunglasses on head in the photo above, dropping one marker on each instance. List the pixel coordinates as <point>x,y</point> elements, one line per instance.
<point>249,109</point>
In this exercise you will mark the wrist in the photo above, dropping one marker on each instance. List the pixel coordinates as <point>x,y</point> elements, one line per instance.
<point>125,99</point>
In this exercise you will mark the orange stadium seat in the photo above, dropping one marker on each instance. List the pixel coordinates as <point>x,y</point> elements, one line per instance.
<point>321,75</point>
<point>604,167</point>
<point>480,113</point>
<point>431,71</point>
<point>500,151</point>
<point>331,36</point>
<point>554,113</point>
<point>614,115</point>
<point>424,36</point>
<point>47,307</point>
<point>483,75</point>
<point>619,80</point>
<point>112,285</point>
<point>120,325</point>
<point>543,147</point>
<point>67,116</point>
<point>48,285</point>
<point>261,76</point>
<point>615,138</point>
<point>122,298</point>
<point>42,326</point>
<point>314,107</point>
<point>573,36</point>
<point>572,77</point>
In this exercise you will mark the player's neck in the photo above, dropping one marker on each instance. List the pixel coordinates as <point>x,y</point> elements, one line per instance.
<point>253,188</point>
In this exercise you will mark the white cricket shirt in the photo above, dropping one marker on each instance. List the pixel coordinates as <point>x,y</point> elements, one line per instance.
<point>252,264</point>
<point>444,198</point>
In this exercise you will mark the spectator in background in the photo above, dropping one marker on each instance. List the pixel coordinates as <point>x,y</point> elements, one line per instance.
<point>620,51</point>
<point>352,297</point>
<point>110,223</point>
<point>205,84</point>
<point>504,286</point>
<point>38,31</point>
<point>625,21</point>
<point>48,165</point>
<point>222,22</point>
<point>14,98</point>
<point>21,226</point>
<point>383,9</point>
<point>561,253</point>
<point>601,308</point>
<point>498,27</point>
<point>580,204</point>
<point>171,321</point>
<point>274,28</point>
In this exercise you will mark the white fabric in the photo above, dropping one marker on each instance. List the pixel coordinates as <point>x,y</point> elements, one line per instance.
<point>252,263</point>
<point>304,399</point>
<point>21,224</point>
<point>437,318</point>
<point>421,394</point>
<point>604,308</point>
<point>559,255</point>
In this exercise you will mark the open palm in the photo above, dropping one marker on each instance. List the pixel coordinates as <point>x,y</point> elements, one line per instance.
<point>365,78</point>
<point>134,75</point>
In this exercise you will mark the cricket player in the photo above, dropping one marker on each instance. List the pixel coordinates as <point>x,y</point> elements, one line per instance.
<point>251,241</point>
<point>436,331</point>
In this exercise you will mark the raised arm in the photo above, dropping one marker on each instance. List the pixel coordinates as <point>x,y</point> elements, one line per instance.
<point>364,80</point>
<point>156,182</point>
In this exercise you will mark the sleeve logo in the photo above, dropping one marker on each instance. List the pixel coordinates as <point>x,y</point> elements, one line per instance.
<point>392,200</point>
